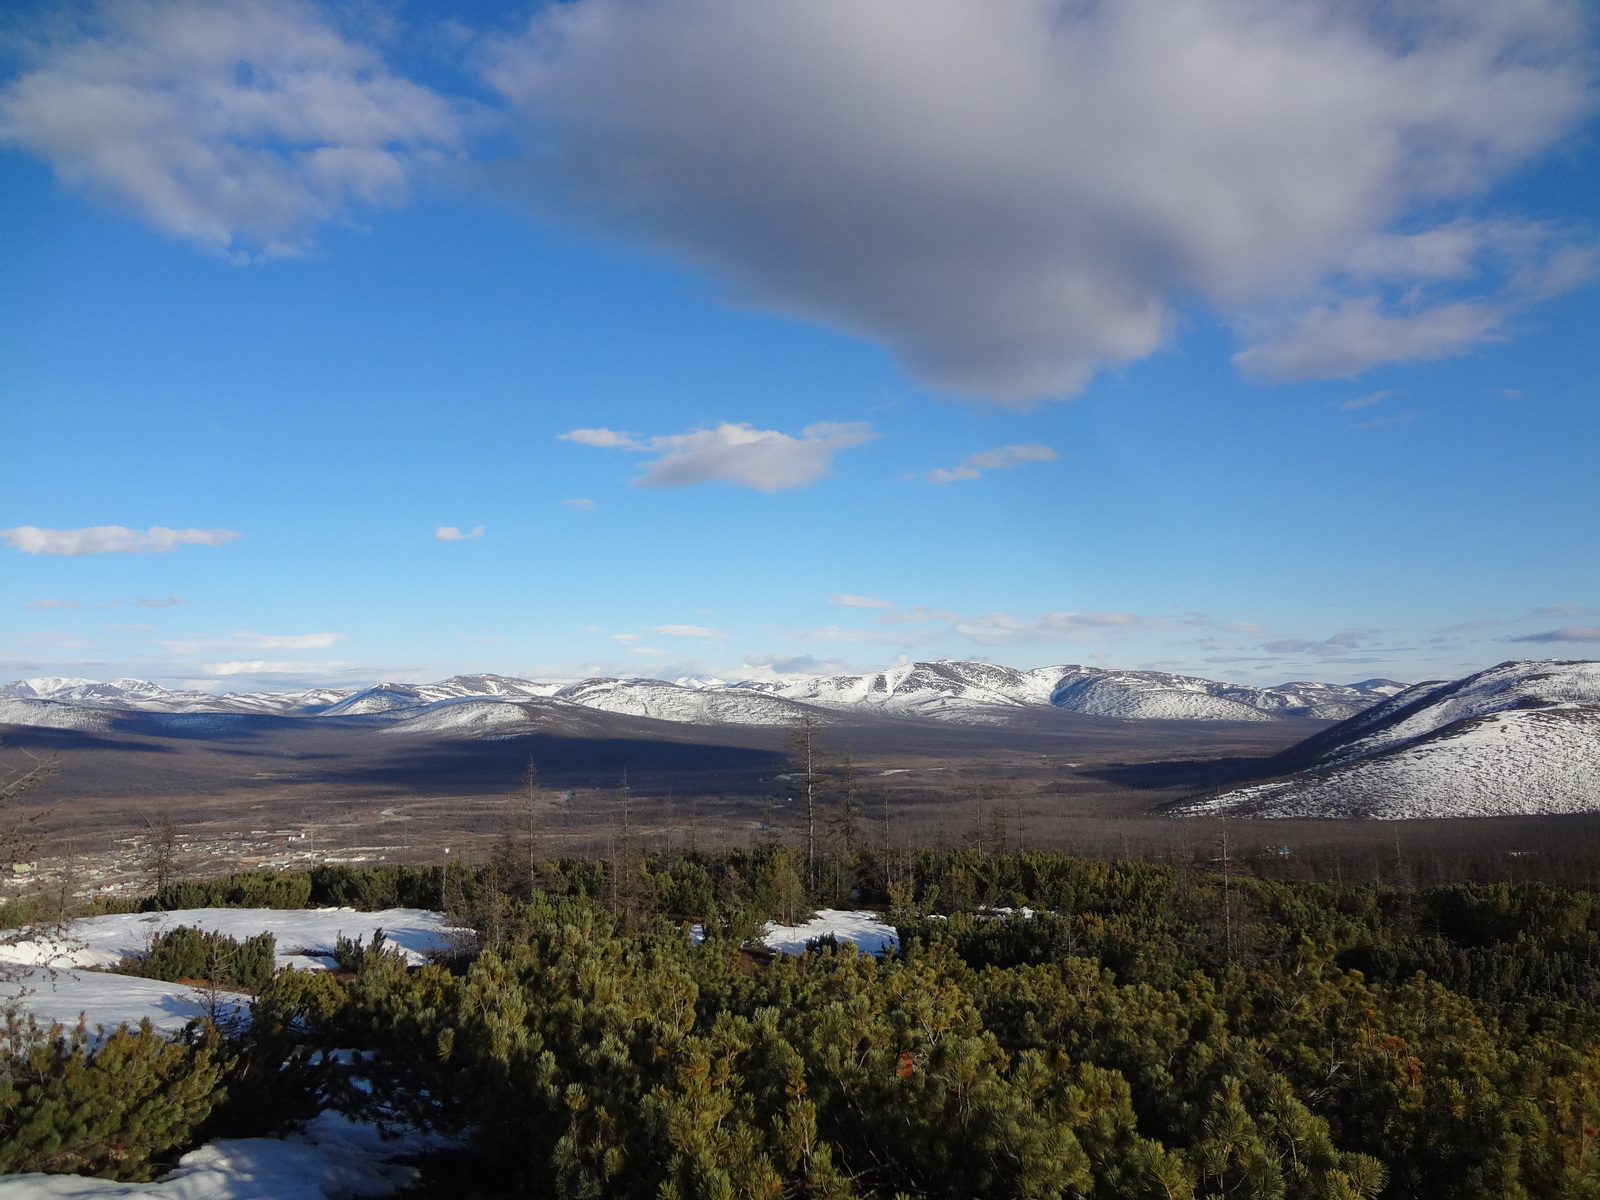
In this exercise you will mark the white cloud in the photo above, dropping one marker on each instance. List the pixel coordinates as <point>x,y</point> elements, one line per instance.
<point>250,639</point>
<point>838,633</point>
<point>239,124</point>
<point>776,666</point>
<point>449,533</point>
<point>159,601</point>
<point>1417,314</point>
<point>580,504</point>
<point>920,613</point>
<point>1011,193</point>
<point>1364,401</point>
<point>604,438</point>
<point>1342,340</point>
<point>644,650</point>
<point>991,460</point>
<point>112,539</point>
<point>52,604</point>
<point>763,459</point>
<point>291,641</point>
<point>1567,633</point>
<point>997,628</point>
<point>846,600</point>
<point>50,641</point>
<point>626,638</point>
<point>688,631</point>
<point>257,666</point>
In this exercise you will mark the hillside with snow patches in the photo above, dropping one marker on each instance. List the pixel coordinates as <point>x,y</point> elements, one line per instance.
<point>1519,739</point>
<point>475,706</point>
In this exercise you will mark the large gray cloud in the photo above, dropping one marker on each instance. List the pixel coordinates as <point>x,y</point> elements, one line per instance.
<point>1013,193</point>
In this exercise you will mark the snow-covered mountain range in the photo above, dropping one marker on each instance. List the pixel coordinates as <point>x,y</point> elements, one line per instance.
<point>1518,739</point>
<point>501,705</point>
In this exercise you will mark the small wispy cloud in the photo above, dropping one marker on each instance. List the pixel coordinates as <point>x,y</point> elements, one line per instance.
<point>250,639</point>
<point>1563,610</point>
<point>626,638</point>
<point>1364,401</point>
<point>1567,633</point>
<point>133,628</point>
<point>111,539</point>
<point>47,640</point>
<point>921,612</point>
<point>846,600</point>
<point>258,666</point>
<point>998,459</point>
<point>1328,647</point>
<point>52,604</point>
<point>449,533</point>
<point>766,666</point>
<point>997,628</point>
<point>161,602</point>
<point>1386,422</point>
<point>579,504</point>
<point>763,459</point>
<point>688,631</point>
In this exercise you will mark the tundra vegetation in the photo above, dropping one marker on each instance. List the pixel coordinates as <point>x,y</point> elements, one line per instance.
<point>1052,1027</point>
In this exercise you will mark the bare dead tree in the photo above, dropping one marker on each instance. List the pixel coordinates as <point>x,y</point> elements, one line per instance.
<point>806,778</point>
<point>19,826</point>
<point>161,863</point>
<point>21,836</point>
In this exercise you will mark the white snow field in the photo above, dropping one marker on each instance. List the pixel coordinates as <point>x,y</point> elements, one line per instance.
<point>105,1000</point>
<point>491,706</point>
<point>330,1157</point>
<point>1519,739</point>
<point>866,929</point>
<point>305,936</point>
<point>51,982</point>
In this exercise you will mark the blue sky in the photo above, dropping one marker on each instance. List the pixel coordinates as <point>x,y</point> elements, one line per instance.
<point>1255,343</point>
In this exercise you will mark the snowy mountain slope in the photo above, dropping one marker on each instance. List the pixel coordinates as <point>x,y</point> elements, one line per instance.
<point>395,697</point>
<point>673,702</point>
<point>960,690</point>
<point>48,714</point>
<point>1521,738</point>
<point>964,692</point>
<point>138,695</point>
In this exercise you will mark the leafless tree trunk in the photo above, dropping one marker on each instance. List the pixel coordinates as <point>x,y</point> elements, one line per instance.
<point>805,757</point>
<point>161,849</point>
<point>20,838</point>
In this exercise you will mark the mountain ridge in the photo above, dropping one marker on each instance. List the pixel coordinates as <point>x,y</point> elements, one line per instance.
<point>945,690</point>
<point>1520,738</point>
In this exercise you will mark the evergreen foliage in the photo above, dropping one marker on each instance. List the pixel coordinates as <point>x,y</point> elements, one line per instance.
<point>1053,1027</point>
<point>185,953</point>
<point>70,1104</point>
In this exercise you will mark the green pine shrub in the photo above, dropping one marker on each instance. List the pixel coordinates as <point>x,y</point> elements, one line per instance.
<point>185,953</point>
<point>69,1104</point>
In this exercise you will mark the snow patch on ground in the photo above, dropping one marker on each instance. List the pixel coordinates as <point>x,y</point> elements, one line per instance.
<point>305,936</point>
<point>866,929</point>
<point>330,1157</point>
<point>104,1000</point>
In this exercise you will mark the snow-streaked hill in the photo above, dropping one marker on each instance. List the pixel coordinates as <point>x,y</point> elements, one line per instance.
<point>962,690</point>
<point>1522,738</point>
<point>499,705</point>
